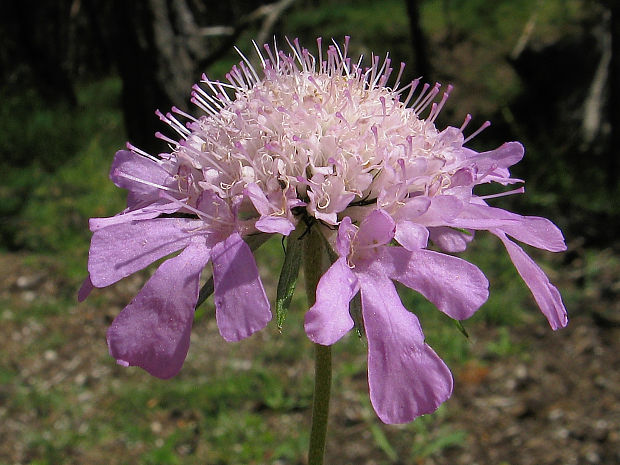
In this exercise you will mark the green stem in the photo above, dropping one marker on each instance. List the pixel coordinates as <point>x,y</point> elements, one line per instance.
<point>315,263</point>
<point>320,403</point>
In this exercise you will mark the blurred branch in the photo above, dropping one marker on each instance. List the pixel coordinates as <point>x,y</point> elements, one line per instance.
<point>418,41</point>
<point>271,15</point>
<point>595,99</point>
<point>267,14</point>
<point>525,36</point>
<point>215,31</point>
<point>614,94</point>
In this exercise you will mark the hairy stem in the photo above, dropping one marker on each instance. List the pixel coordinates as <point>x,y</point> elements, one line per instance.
<point>315,263</point>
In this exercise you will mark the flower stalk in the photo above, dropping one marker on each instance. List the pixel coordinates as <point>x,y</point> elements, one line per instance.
<point>315,257</point>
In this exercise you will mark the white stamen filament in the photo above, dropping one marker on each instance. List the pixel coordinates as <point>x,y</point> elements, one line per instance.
<point>484,125</point>
<point>520,190</point>
<point>122,174</point>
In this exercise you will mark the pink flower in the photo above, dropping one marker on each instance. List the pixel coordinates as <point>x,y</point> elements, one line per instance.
<point>322,140</point>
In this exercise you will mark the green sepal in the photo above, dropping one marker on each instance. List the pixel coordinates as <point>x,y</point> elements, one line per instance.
<point>461,328</point>
<point>289,273</point>
<point>355,310</point>
<point>463,230</point>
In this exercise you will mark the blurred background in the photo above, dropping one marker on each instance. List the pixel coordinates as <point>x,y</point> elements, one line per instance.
<point>78,78</point>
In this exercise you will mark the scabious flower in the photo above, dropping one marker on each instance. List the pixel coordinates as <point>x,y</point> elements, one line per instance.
<point>322,142</point>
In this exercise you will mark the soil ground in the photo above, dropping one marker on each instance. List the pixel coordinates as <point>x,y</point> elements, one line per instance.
<point>549,398</point>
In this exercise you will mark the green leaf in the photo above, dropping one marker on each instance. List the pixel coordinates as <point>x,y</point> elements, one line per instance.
<point>461,328</point>
<point>464,231</point>
<point>289,273</point>
<point>383,442</point>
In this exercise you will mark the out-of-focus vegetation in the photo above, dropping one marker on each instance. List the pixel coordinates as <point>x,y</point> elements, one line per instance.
<point>54,168</point>
<point>62,400</point>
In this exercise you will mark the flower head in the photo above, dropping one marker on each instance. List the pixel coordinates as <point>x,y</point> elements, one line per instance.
<point>320,139</point>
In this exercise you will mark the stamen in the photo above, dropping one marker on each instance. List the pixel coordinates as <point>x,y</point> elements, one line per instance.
<point>217,104</point>
<point>260,55</point>
<point>383,108</point>
<point>296,49</point>
<point>325,204</point>
<point>235,78</point>
<point>219,93</point>
<point>386,76</point>
<point>465,122</point>
<point>428,99</point>
<point>175,124</point>
<point>373,128</point>
<point>122,174</point>
<point>341,62</point>
<point>250,78</point>
<point>485,125</point>
<point>135,149</point>
<point>520,190</point>
<point>163,137</point>
<point>400,74</point>
<point>435,111</point>
<point>185,206</point>
<point>273,60</point>
<point>183,114</point>
<point>308,60</point>
<point>342,118</point>
<point>377,78</point>
<point>203,105</point>
<point>240,77</point>
<point>374,59</point>
<point>222,95</point>
<point>422,92</point>
<point>319,45</point>
<point>412,87</point>
<point>251,68</point>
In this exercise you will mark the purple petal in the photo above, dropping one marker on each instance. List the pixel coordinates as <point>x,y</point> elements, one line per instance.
<point>405,376</point>
<point>546,294</point>
<point>329,218</point>
<point>537,232</point>
<point>139,175</point>
<point>258,199</point>
<point>275,225</point>
<point>506,155</point>
<point>493,165</point>
<point>328,319</point>
<point>462,178</point>
<point>455,286</point>
<point>411,235</point>
<point>532,230</point>
<point>449,239</point>
<point>150,210</point>
<point>241,304</point>
<point>85,289</point>
<point>214,206</point>
<point>375,230</point>
<point>122,249</point>
<point>346,233</point>
<point>442,209</point>
<point>414,207</point>
<point>153,331</point>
